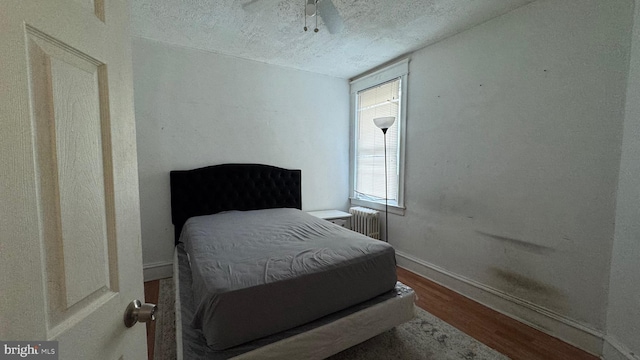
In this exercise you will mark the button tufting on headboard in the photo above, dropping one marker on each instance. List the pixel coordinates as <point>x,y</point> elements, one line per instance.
<point>217,188</point>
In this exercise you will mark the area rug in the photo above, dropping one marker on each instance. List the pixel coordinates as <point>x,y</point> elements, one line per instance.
<point>424,338</point>
<point>165,342</point>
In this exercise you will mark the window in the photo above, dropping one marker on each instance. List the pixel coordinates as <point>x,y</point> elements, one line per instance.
<point>382,93</point>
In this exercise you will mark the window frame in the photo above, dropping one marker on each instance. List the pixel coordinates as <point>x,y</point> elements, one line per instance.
<point>399,69</point>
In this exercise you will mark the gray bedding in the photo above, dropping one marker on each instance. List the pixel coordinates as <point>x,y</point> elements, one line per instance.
<point>257,273</point>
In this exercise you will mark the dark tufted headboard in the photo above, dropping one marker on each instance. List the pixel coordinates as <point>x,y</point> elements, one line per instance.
<point>217,188</point>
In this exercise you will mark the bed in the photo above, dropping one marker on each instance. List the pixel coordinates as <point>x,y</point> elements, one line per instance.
<point>259,278</point>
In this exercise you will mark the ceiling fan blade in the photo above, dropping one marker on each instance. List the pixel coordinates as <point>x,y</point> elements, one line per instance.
<point>330,16</point>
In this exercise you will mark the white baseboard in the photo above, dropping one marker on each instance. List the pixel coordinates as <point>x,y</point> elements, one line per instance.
<point>570,331</point>
<point>614,350</point>
<point>157,270</point>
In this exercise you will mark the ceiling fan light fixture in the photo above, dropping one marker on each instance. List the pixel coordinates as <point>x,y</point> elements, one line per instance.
<point>311,8</point>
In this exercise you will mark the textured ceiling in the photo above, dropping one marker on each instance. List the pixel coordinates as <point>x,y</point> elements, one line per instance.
<point>271,31</point>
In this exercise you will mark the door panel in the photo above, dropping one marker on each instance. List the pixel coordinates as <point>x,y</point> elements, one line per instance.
<point>74,175</point>
<point>69,224</point>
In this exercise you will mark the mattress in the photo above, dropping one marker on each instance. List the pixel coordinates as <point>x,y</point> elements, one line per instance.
<point>313,341</point>
<point>257,273</point>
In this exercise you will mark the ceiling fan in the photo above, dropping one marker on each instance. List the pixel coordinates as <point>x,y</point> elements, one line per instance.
<point>312,8</point>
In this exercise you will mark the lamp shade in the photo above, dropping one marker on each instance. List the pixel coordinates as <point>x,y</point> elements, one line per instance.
<point>384,122</point>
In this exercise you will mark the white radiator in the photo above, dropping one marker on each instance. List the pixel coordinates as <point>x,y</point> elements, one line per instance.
<point>365,221</point>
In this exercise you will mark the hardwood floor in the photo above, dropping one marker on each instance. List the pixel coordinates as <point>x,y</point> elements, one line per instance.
<point>500,332</point>
<point>151,294</point>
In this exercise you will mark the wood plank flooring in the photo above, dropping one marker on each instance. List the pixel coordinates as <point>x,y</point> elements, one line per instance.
<point>151,295</point>
<point>500,332</point>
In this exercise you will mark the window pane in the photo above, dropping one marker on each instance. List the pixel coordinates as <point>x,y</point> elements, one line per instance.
<point>382,100</point>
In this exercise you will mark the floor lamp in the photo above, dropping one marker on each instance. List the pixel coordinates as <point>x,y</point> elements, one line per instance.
<point>384,123</point>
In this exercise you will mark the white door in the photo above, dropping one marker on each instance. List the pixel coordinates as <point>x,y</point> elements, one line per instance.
<point>69,214</point>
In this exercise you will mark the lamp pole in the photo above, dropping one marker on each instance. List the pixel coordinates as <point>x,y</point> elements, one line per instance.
<point>386,189</point>
<point>384,123</point>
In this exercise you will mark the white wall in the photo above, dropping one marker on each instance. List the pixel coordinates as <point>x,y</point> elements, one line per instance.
<point>623,318</point>
<point>513,150</point>
<point>196,108</point>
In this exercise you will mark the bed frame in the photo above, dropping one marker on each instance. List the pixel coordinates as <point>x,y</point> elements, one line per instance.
<point>218,188</point>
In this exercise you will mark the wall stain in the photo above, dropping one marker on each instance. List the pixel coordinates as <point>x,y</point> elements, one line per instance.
<point>521,244</point>
<point>527,284</point>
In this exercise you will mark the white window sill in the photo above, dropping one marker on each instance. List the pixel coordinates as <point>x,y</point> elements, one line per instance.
<point>393,209</point>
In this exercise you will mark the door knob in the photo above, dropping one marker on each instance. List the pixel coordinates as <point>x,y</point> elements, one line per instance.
<point>137,311</point>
